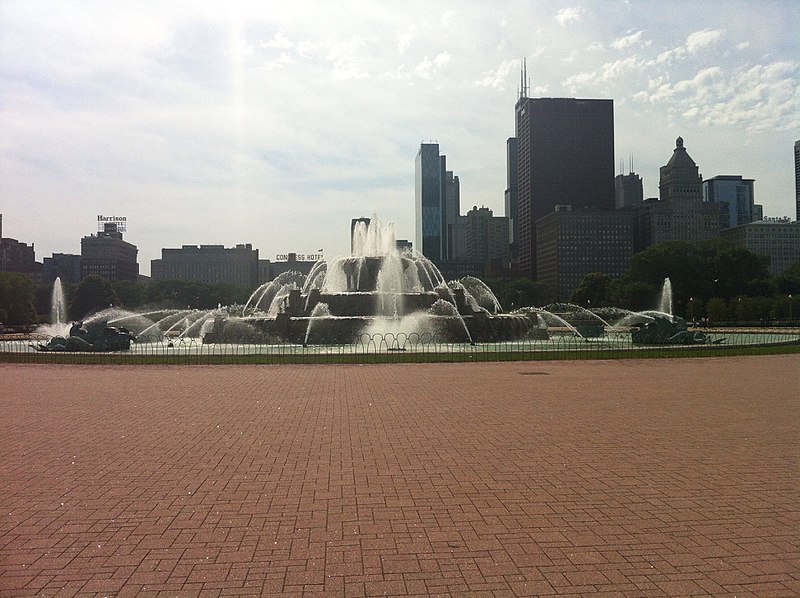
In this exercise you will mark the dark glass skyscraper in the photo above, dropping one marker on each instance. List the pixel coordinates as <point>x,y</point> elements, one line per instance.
<point>797,179</point>
<point>512,195</point>
<point>565,156</point>
<point>437,205</point>
<point>429,216</point>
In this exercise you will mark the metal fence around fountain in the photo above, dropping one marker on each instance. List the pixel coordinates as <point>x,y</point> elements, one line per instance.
<point>398,348</point>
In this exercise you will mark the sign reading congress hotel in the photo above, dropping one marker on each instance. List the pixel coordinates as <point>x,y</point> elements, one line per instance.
<point>298,257</point>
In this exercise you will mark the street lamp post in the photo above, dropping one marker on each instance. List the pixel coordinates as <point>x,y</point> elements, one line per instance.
<point>790,307</point>
<point>691,310</point>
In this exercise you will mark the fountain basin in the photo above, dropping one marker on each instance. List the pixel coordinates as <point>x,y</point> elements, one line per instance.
<point>348,329</point>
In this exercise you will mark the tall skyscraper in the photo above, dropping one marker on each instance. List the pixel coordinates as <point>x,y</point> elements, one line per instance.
<point>453,227</point>
<point>734,196</point>
<point>437,206</point>
<point>428,201</point>
<point>565,156</point>
<point>628,190</point>
<point>797,179</point>
<point>512,195</point>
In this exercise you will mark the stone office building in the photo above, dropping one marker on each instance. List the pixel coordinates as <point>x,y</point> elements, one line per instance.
<point>680,212</point>
<point>574,242</point>
<point>779,239</point>
<point>106,254</point>
<point>487,238</point>
<point>66,266</point>
<point>210,264</point>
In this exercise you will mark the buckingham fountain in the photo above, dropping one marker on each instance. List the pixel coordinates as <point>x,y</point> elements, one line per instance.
<point>377,295</point>
<point>377,290</point>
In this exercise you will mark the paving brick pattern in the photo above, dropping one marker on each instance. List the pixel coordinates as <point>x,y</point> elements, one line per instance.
<point>611,478</point>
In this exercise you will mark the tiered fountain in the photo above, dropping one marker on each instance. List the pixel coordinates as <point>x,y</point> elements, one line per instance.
<point>376,295</point>
<point>377,290</point>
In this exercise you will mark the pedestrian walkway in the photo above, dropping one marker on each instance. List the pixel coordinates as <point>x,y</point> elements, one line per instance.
<point>662,477</point>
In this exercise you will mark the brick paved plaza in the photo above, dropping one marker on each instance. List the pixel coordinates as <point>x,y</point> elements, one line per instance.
<point>672,477</point>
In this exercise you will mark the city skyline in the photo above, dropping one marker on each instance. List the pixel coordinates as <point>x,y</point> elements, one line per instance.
<point>205,124</point>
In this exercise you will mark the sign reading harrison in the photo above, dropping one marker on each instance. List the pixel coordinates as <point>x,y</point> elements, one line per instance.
<point>120,221</point>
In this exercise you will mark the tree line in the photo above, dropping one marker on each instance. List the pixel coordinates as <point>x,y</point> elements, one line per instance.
<point>23,303</point>
<point>712,278</point>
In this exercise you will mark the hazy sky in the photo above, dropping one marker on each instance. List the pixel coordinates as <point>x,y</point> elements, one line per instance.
<point>254,122</point>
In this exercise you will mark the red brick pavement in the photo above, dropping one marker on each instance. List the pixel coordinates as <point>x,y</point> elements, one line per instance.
<point>616,478</point>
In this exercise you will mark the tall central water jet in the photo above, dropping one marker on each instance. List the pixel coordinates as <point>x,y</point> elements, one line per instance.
<point>378,290</point>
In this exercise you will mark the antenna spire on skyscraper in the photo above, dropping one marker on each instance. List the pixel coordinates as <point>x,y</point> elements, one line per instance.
<point>523,79</point>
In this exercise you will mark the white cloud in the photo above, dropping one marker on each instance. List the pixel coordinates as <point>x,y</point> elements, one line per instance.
<point>570,58</point>
<point>404,40</point>
<point>743,45</point>
<point>701,39</point>
<point>279,63</point>
<point>605,74</point>
<point>566,15</point>
<point>621,43</point>
<point>695,42</point>
<point>279,40</point>
<point>496,78</point>
<point>760,98</point>
<point>305,48</point>
<point>347,64</point>
<point>441,59</point>
<point>427,68</point>
<point>447,19</point>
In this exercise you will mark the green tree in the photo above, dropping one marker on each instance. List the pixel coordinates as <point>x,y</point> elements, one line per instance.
<point>517,292</point>
<point>195,294</point>
<point>633,294</point>
<point>711,268</point>
<point>789,281</point>
<point>131,294</point>
<point>177,293</point>
<point>717,310</point>
<point>225,294</point>
<point>92,294</point>
<point>732,270</point>
<point>592,289</point>
<point>17,297</point>
<point>43,299</point>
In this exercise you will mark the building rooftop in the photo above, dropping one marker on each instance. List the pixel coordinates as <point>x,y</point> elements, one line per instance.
<point>680,157</point>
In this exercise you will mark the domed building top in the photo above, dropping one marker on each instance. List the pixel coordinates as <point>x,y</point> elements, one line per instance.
<point>680,177</point>
<point>680,158</point>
